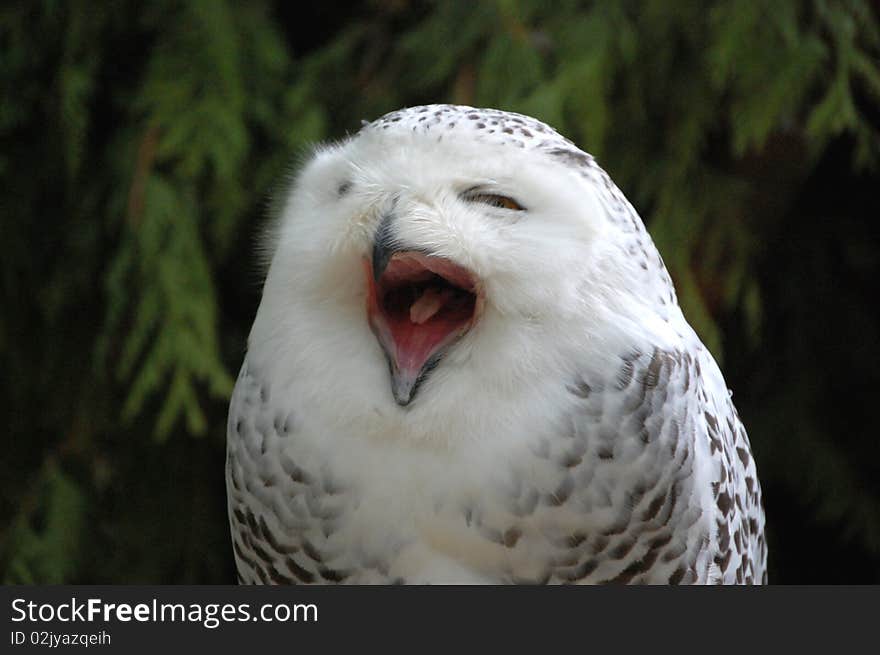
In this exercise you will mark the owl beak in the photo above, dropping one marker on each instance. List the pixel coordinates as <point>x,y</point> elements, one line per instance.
<point>418,306</point>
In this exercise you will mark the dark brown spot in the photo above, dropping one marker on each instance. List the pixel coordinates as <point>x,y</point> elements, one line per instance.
<point>635,568</point>
<point>634,497</point>
<point>723,562</point>
<point>311,551</point>
<point>278,578</point>
<point>276,545</point>
<point>298,475</point>
<point>562,493</point>
<point>568,558</point>
<point>252,522</point>
<point>572,157</point>
<point>575,539</point>
<point>261,573</point>
<point>240,553</point>
<point>624,377</point>
<point>623,549</point>
<point>659,541</point>
<point>511,536</point>
<point>262,554</point>
<point>581,571</point>
<point>606,453</point>
<point>674,552</point>
<point>332,575</point>
<point>753,526</point>
<point>580,389</point>
<point>299,572</point>
<point>670,506</point>
<point>710,419</point>
<point>619,527</point>
<point>677,576</point>
<point>652,375</point>
<point>654,507</point>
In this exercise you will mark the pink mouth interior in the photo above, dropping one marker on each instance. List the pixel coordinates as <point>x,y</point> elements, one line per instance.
<point>420,305</point>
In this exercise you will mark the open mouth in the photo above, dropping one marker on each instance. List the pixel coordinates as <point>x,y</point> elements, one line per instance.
<point>418,307</point>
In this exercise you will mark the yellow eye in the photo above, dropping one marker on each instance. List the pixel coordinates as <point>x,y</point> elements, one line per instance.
<point>495,200</point>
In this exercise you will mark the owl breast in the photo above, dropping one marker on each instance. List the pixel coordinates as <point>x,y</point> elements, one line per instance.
<point>633,486</point>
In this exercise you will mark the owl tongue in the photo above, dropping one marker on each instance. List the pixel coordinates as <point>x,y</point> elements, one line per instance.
<point>419,306</point>
<point>429,303</point>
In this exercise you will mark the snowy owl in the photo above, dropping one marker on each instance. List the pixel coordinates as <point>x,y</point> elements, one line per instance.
<point>469,366</point>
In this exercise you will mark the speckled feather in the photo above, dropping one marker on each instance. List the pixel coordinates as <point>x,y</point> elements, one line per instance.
<point>624,463</point>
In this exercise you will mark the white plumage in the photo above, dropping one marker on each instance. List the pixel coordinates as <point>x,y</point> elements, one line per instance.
<point>469,366</point>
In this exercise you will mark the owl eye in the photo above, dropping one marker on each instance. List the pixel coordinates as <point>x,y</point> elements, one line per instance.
<point>493,200</point>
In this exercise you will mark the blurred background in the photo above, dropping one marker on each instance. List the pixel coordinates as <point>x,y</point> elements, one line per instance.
<point>140,143</point>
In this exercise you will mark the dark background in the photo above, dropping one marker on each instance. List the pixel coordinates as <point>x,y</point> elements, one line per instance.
<point>140,143</point>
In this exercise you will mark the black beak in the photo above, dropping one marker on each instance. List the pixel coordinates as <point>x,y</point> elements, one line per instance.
<point>404,385</point>
<point>385,245</point>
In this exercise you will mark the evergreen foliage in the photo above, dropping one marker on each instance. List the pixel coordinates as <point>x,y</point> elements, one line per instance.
<point>140,143</point>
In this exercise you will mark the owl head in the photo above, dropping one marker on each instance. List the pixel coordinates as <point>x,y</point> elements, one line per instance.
<point>444,254</point>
